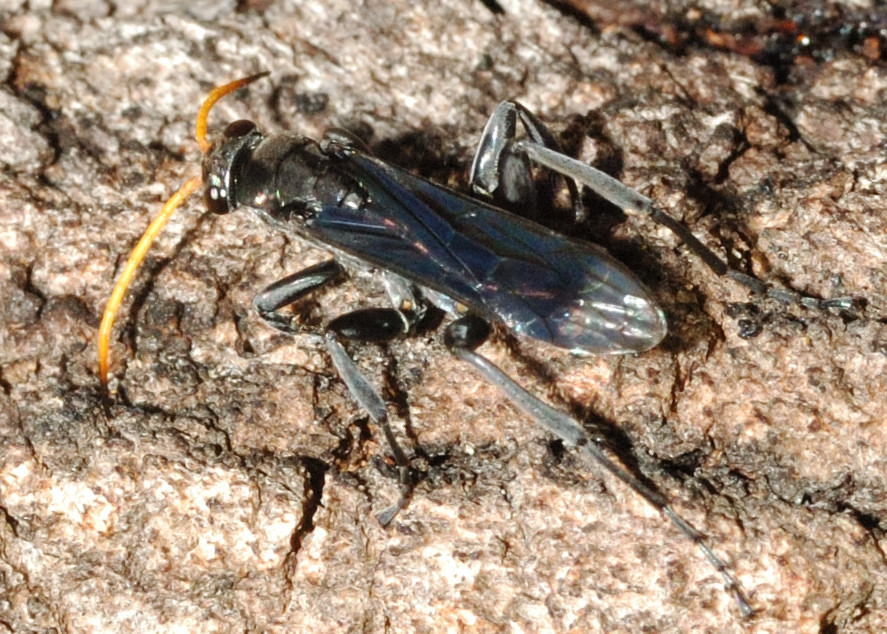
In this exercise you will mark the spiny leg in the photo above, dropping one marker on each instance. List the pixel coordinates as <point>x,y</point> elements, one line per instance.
<point>376,325</point>
<point>466,333</point>
<point>500,173</point>
<point>367,397</point>
<point>291,289</point>
<point>632,202</point>
<point>369,325</point>
<point>500,170</point>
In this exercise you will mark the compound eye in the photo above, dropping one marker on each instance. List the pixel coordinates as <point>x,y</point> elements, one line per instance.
<point>239,128</point>
<point>216,200</point>
<point>215,196</point>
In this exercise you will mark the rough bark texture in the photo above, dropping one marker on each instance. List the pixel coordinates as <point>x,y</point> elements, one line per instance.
<point>233,486</point>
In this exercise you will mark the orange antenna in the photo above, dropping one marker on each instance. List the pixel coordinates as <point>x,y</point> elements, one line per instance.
<point>210,101</point>
<point>144,243</point>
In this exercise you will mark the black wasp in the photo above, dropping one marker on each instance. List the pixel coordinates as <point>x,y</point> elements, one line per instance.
<point>435,247</point>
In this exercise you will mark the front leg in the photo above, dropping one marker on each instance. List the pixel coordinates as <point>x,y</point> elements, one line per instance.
<point>291,289</point>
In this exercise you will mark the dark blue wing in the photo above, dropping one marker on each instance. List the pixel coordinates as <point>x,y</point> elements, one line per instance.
<point>537,282</point>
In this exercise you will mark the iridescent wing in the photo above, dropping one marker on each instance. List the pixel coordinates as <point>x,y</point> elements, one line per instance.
<point>538,283</point>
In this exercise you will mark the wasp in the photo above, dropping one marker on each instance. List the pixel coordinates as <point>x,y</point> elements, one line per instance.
<point>434,247</point>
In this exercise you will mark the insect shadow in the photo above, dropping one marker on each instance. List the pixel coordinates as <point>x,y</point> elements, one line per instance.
<point>433,248</point>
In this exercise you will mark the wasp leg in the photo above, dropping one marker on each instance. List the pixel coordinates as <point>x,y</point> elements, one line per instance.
<point>503,174</point>
<point>370,325</point>
<point>465,334</point>
<point>290,289</point>
<point>375,325</point>
<point>632,202</point>
<point>501,170</point>
<point>368,398</point>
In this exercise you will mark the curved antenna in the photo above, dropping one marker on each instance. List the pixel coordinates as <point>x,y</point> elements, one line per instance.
<point>141,249</point>
<point>210,101</point>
